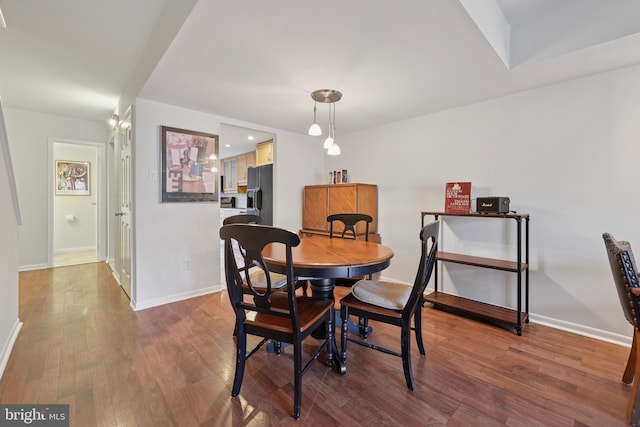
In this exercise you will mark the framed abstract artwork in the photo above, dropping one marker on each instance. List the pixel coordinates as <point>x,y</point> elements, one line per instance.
<point>73,178</point>
<point>189,165</point>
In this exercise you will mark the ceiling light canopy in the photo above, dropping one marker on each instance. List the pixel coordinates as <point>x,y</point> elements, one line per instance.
<point>326,96</point>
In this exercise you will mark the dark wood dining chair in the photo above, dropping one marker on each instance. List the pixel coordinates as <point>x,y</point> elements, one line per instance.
<point>349,221</point>
<point>394,304</point>
<point>242,219</point>
<point>272,314</point>
<point>277,280</point>
<point>625,276</point>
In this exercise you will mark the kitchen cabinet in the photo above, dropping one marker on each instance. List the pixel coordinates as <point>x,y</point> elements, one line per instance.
<point>319,201</point>
<point>235,171</point>
<point>264,153</point>
<point>245,161</point>
<point>230,168</point>
<point>515,317</point>
<point>251,159</point>
<point>242,170</point>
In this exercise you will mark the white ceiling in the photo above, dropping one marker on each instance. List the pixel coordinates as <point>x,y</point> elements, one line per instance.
<point>258,61</point>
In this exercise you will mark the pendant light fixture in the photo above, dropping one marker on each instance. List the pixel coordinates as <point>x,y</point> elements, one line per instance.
<point>314,129</point>
<point>329,141</point>
<point>327,96</point>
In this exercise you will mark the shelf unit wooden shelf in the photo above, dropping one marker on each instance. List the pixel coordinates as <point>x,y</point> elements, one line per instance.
<point>514,317</point>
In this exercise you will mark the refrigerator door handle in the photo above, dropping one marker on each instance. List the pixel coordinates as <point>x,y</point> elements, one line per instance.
<point>258,199</point>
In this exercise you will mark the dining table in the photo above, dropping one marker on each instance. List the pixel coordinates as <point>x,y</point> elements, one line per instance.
<point>321,260</point>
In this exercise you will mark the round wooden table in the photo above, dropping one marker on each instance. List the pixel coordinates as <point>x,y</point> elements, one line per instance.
<point>322,260</point>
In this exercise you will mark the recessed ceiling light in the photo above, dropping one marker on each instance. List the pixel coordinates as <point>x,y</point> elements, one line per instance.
<point>227,145</point>
<point>250,138</point>
<point>2,23</point>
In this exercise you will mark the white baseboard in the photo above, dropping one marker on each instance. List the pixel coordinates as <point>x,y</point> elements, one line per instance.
<point>586,331</point>
<point>136,306</point>
<point>8,346</point>
<point>73,250</point>
<point>32,267</point>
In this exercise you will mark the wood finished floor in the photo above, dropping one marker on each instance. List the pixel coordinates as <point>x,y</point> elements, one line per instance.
<point>173,366</point>
<point>74,258</point>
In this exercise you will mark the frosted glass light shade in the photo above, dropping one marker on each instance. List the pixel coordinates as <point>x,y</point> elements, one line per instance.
<point>315,130</point>
<point>328,143</point>
<point>334,150</point>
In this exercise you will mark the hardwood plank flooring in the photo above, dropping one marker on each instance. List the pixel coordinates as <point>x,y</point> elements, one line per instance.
<point>173,366</point>
<point>74,258</point>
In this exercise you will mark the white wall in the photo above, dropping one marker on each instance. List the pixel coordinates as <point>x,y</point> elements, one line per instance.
<point>28,136</point>
<point>80,233</point>
<point>166,233</point>
<point>9,321</point>
<point>567,154</point>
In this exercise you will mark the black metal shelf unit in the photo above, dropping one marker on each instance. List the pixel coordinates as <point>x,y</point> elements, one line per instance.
<point>520,267</point>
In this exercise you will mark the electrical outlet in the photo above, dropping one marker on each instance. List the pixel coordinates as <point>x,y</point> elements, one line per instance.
<point>186,264</point>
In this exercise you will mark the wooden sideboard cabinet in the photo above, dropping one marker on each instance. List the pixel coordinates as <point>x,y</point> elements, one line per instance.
<point>518,264</point>
<point>319,201</point>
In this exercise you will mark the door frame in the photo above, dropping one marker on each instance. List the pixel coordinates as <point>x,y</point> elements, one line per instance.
<point>101,238</point>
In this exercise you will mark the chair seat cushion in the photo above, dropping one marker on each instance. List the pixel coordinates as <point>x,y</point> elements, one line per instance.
<point>391,295</point>
<point>257,277</point>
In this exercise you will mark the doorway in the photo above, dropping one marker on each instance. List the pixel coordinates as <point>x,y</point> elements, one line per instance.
<point>76,188</point>
<point>236,143</point>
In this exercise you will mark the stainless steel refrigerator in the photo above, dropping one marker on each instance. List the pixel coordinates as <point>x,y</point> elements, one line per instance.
<point>260,192</point>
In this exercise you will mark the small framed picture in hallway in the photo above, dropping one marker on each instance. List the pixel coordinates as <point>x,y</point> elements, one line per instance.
<point>73,178</point>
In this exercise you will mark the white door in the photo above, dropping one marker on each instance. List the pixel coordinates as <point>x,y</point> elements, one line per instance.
<point>123,257</point>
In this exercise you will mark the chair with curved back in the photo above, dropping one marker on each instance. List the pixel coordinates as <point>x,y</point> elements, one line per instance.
<point>394,304</point>
<point>242,219</point>
<point>625,276</point>
<point>349,222</point>
<point>272,314</point>
<point>277,280</point>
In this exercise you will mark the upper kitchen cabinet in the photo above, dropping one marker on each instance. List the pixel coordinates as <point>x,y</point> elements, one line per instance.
<point>235,171</point>
<point>230,169</point>
<point>264,153</point>
<point>245,161</point>
<point>251,159</point>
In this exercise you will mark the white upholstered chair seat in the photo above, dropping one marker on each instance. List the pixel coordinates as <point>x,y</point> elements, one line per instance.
<point>391,295</point>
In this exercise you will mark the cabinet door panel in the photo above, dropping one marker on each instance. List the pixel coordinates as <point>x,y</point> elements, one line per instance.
<point>264,153</point>
<point>368,204</point>
<point>251,159</point>
<point>314,212</point>
<point>242,170</point>
<point>342,199</point>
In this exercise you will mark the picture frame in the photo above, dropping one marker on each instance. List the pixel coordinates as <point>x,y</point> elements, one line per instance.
<point>73,178</point>
<point>190,165</point>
